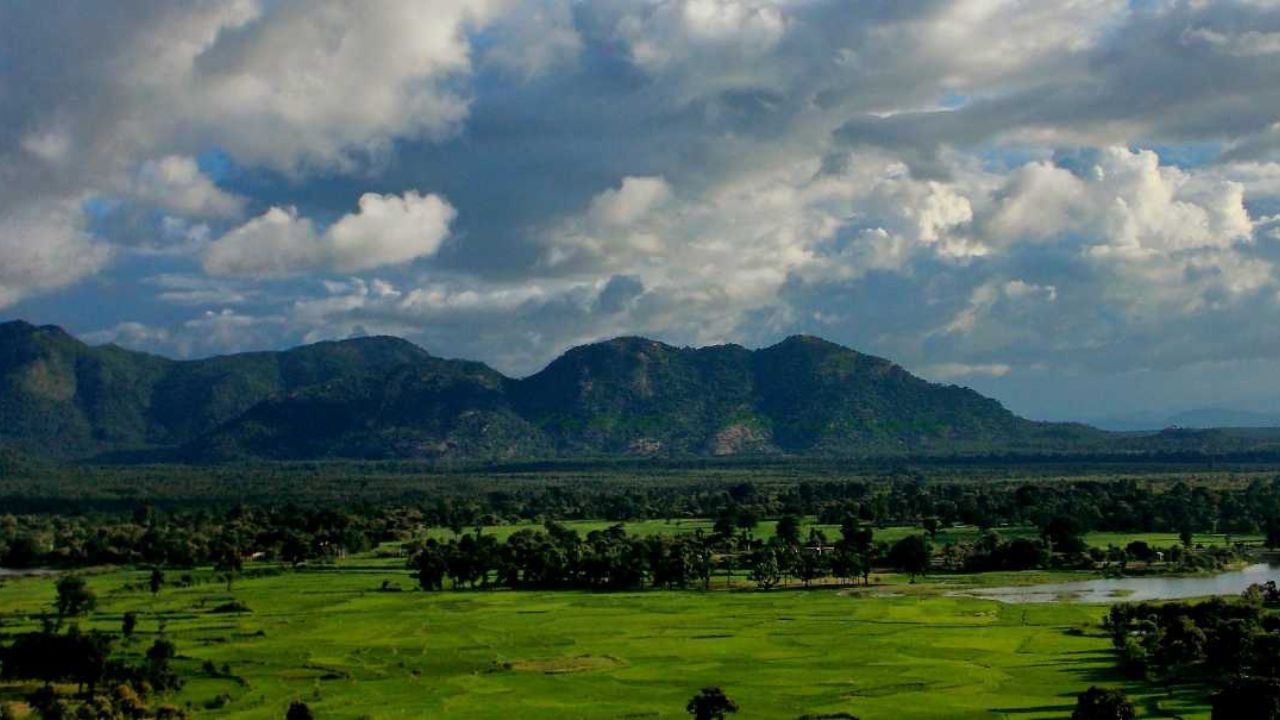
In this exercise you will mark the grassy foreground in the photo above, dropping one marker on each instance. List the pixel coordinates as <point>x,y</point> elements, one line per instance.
<point>350,650</point>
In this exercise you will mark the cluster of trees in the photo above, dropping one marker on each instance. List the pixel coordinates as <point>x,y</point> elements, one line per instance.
<point>113,682</point>
<point>891,499</point>
<point>850,557</point>
<point>1103,704</point>
<point>558,557</point>
<point>187,537</point>
<point>1061,544</point>
<point>1234,646</point>
<point>190,538</point>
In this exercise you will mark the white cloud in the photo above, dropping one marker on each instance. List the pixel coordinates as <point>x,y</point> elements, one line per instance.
<point>678,31</point>
<point>1125,202</point>
<point>115,99</point>
<point>1246,44</point>
<point>630,202</point>
<point>51,146</point>
<point>211,333</point>
<point>535,37</point>
<point>309,82</point>
<point>277,243</point>
<point>385,230</point>
<point>389,230</point>
<point>175,183</point>
<point>198,291</point>
<point>45,247</point>
<point>953,371</point>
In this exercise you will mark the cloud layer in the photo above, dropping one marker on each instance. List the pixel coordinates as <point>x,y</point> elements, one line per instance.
<point>1015,195</point>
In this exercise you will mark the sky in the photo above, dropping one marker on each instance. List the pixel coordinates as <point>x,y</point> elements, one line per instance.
<point>1071,206</point>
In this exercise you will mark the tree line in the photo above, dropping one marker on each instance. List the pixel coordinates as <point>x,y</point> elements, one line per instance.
<point>1233,646</point>
<point>1062,512</point>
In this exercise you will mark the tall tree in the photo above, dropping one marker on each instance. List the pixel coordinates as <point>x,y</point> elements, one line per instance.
<point>129,623</point>
<point>74,597</point>
<point>765,571</point>
<point>788,529</point>
<point>430,566</point>
<point>910,555</point>
<point>228,562</point>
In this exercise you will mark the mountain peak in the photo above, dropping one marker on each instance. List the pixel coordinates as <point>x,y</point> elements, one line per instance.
<point>383,396</point>
<point>14,328</point>
<point>369,342</point>
<point>810,341</point>
<point>629,343</point>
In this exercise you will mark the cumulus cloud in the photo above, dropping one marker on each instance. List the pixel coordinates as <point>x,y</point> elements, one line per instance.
<point>634,199</point>
<point>277,243</point>
<point>684,31</point>
<point>311,82</point>
<point>389,230</point>
<point>1124,202</point>
<point>45,247</point>
<point>385,230</point>
<point>175,183</point>
<point>112,101</point>
<point>535,37</point>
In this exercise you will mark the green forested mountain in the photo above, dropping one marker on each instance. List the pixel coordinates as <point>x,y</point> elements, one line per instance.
<point>384,397</point>
<point>62,398</point>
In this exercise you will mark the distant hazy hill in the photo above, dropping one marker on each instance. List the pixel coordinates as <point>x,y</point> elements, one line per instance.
<point>1201,418</point>
<point>384,397</point>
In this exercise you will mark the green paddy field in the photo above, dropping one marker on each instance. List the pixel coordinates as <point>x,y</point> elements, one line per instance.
<point>335,638</point>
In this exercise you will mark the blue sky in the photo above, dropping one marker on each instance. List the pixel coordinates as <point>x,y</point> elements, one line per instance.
<point>1073,207</point>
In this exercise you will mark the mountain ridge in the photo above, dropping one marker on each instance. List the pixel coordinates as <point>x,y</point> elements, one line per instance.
<point>384,397</point>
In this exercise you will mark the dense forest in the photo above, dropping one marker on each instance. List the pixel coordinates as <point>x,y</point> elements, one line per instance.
<point>198,532</point>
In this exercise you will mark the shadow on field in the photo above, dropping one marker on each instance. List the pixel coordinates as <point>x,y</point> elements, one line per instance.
<point>1096,674</point>
<point>1172,702</point>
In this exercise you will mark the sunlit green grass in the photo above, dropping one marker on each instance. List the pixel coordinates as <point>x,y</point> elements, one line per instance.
<point>890,652</point>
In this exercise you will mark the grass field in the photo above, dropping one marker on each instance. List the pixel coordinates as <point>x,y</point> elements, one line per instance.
<point>333,639</point>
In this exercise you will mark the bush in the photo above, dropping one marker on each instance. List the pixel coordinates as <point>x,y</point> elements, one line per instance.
<point>1103,704</point>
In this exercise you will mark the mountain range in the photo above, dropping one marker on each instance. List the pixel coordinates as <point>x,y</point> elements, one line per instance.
<point>383,397</point>
<point>1197,418</point>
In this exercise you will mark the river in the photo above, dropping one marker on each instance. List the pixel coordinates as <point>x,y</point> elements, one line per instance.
<point>1135,589</point>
